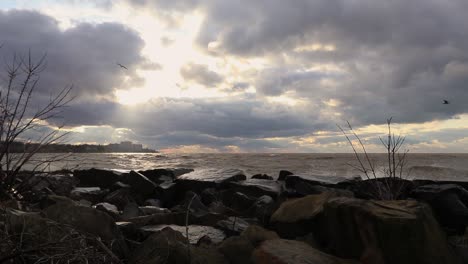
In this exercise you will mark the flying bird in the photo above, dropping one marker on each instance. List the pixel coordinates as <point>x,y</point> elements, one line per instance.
<point>121,66</point>
<point>446,102</point>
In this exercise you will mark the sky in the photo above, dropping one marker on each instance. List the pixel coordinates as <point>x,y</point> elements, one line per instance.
<point>250,76</point>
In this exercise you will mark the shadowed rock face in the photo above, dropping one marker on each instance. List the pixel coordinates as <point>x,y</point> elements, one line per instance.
<point>388,232</point>
<point>281,251</point>
<point>258,188</point>
<point>96,177</point>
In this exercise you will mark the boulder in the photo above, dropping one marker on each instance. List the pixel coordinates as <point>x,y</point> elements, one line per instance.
<point>59,184</point>
<point>281,251</point>
<point>120,198</point>
<point>282,175</point>
<point>209,196</point>
<point>257,234</point>
<point>108,208</point>
<point>92,194</point>
<point>140,184</point>
<point>149,210</point>
<point>237,250</point>
<point>263,208</point>
<point>296,217</point>
<point>96,177</point>
<point>130,210</point>
<point>261,177</point>
<point>193,203</point>
<point>152,202</point>
<point>177,218</point>
<point>167,193</point>
<point>155,174</point>
<point>175,250</point>
<point>233,225</point>
<point>238,201</point>
<point>195,232</point>
<point>88,220</point>
<point>449,202</point>
<point>388,232</point>
<point>202,179</point>
<point>257,188</point>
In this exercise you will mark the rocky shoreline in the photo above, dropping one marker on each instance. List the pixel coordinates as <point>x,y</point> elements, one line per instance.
<point>145,217</point>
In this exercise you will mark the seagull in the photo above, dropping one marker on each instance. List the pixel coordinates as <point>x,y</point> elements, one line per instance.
<point>446,102</point>
<point>122,66</point>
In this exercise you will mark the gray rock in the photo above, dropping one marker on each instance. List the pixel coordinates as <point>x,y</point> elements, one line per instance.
<point>202,179</point>
<point>195,232</point>
<point>92,194</point>
<point>283,251</point>
<point>257,188</point>
<point>108,208</point>
<point>141,185</point>
<point>96,177</point>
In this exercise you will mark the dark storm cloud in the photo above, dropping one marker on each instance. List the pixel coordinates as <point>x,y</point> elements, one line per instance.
<point>200,74</point>
<point>243,118</point>
<point>397,58</point>
<point>85,55</point>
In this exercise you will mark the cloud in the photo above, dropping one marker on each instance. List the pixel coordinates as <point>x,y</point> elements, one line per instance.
<point>85,55</point>
<point>200,74</point>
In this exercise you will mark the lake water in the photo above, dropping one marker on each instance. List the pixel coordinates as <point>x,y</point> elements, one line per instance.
<point>429,166</point>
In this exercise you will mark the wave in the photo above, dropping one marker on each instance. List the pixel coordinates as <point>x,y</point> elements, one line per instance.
<point>438,173</point>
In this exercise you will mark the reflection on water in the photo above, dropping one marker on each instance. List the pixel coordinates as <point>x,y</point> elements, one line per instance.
<point>423,165</point>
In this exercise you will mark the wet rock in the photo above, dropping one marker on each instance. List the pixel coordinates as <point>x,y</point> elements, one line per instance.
<point>177,218</point>
<point>382,188</point>
<point>175,245</point>
<point>460,245</point>
<point>202,179</point>
<point>262,177</point>
<point>88,220</point>
<point>403,231</point>
<point>257,188</point>
<point>92,194</point>
<point>302,188</point>
<point>296,217</point>
<point>119,185</point>
<point>140,184</point>
<point>195,232</point>
<point>108,208</point>
<point>96,177</point>
<point>155,174</point>
<point>149,210</point>
<point>130,231</point>
<point>282,175</point>
<point>238,250</point>
<point>449,202</point>
<point>281,251</point>
<point>205,241</point>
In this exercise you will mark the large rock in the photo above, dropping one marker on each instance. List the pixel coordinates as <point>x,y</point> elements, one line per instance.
<point>233,225</point>
<point>60,184</point>
<point>96,177</point>
<point>167,193</point>
<point>262,177</point>
<point>120,198</point>
<point>263,208</point>
<point>282,175</point>
<point>88,220</point>
<point>158,175</point>
<point>238,250</point>
<point>257,188</point>
<point>140,184</point>
<point>92,194</point>
<point>281,251</point>
<point>390,232</point>
<point>108,208</point>
<point>296,217</point>
<point>257,234</point>
<point>195,232</point>
<point>202,179</point>
<point>169,246</point>
<point>449,202</point>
